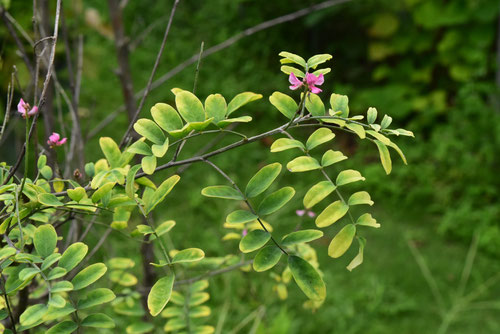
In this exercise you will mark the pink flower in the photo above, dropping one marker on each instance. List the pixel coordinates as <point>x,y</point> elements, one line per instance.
<point>311,81</point>
<point>24,109</point>
<point>300,213</point>
<point>244,232</point>
<point>55,140</point>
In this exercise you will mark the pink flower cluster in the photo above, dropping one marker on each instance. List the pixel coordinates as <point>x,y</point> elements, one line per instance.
<point>24,109</point>
<point>310,81</point>
<point>55,140</point>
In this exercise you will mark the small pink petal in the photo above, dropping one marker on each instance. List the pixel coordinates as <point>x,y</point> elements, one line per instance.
<point>320,80</point>
<point>33,111</point>
<point>311,214</point>
<point>310,79</point>
<point>315,90</point>
<point>244,232</point>
<point>54,137</point>
<point>300,213</point>
<point>294,80</point>
<point>62,141</point>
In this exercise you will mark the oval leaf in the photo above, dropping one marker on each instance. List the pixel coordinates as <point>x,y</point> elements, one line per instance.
<point>318,137</point>
<point>222,192</point>
<point>45,240</point>
<point>303,164</point>
<point>301,237</point>
<point>160,294</point>
<point>240,216</point>
<point>342,241</point>
<point>166,117</point>
<point>254,240</point>
<point>88,275</point>
<point>284,103</point>
<point>348,176</point>
<point>283,144</point>
<point>317,193</point>
<point>147,128</point>
<point>275,201</point>
<point>307,278</point>
<point>331,214</point>
<point>189,106</point>
<point>267,258</point>
<point>262,179</point>
<point>188,255</point>
<point>73,255</point>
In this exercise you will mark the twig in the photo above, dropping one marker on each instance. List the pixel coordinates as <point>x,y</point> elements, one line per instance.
<point>153,72</point>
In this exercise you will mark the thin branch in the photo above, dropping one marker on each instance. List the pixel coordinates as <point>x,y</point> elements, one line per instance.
<point>153,72</point>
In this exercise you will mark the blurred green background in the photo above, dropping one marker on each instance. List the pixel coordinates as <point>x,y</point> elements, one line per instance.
<point>431,64</point>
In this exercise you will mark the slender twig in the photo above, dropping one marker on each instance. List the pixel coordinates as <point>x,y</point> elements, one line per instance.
<point>153,72</point>
<point>216,48</point>
<point>7,303</point>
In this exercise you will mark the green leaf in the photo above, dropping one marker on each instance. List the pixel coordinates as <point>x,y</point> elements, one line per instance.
<point>166,117</point>
<point>200,312</point>
<point>317,193</point>
<point>28,273</point>
<point>385,156</point>
<point>50,260</point>
<point>160,294</point>
<point>367,220</point>
<point>254,240</point>
<point>62,286</point>
<point>98,320</point>
<point>89,275</point>
<point>188,255</point>
<point>359,258</point>
<point>314,105</point>
<point>331,214</point>
<point>102,191</point>
<point>77,194</point>
<point>323,71</point>
<point>111,151</point>
<point>358,129</point>
<point>45,240</point>
<point>240,216</point>
<point>267,258</point>
<point>284,103</point>
<point>301,237</point>
<point>73,255</point>
<point>290,69</point>
<point>222,192</point>
<point>315,60</point>
<point>379,136</point>
<point>303,164</point>
<point>318,137</point>
<point>190,107</point>
<point>56,301</point>
<point>148,164</point>
<point>242,119</point>
<point>240,100</point>
<point>404,132</point>
<point>46,172</point>
<point>32,314</point>
<point>342,241</point>
<point>331,157</point>
<point>42,161</point>
<point>371,115</point>
<point>275,201</point>
<point>283,144</point>
<point>160,150</point>
<point>262,179</point>
<point>307,278</point>
<point>7,252</point>
<point>292,58</point>
<point>163,190</point>
<point>386,121</point>
<point>147,128</point>
<point>49,200</point>
<point>348,176</point>
<point>96,297</point>
<point>56,273</point>
<point>129,186</point>
<point>139,328</point>
<point>200,125</point>
<point>65,327</point>
<point>163,228</point>
<point>340,103</point>
<point>361,197</point>
<point>216,107</point>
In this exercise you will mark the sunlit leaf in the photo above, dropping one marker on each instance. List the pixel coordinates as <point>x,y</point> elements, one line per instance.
<point>222,192</point>
<point>147,128</point>
<point>254,240</point>
<point>331,214</point>
<point>303,164</point>
<point>190,107</point>
<point>301,237</point>
<point>317,193</point>
<point>188,255</point>
<point>283,144</point>
<point>275,201</point>
<point>284,103</point>
<point>73,255</point>
<point>262,179</point>
<point>348,176</point>
<point>45,240</point>
<point>385,156</point>
<point>267,258</point>
<point>367,220</point>
<point>342,241</point>
<point>318,137</point>
<point>307,278</point>
<point>88,275</point>
<point>358,259</point>
<point>331,157</point>
<point>240,100</point>
<point>166,117</point>
<point>240,216</point>
<point>160,294</point>
<point>361,197</point>
<point>98,320</point>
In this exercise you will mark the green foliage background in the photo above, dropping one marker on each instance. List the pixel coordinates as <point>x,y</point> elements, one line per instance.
<point>431,64</point>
